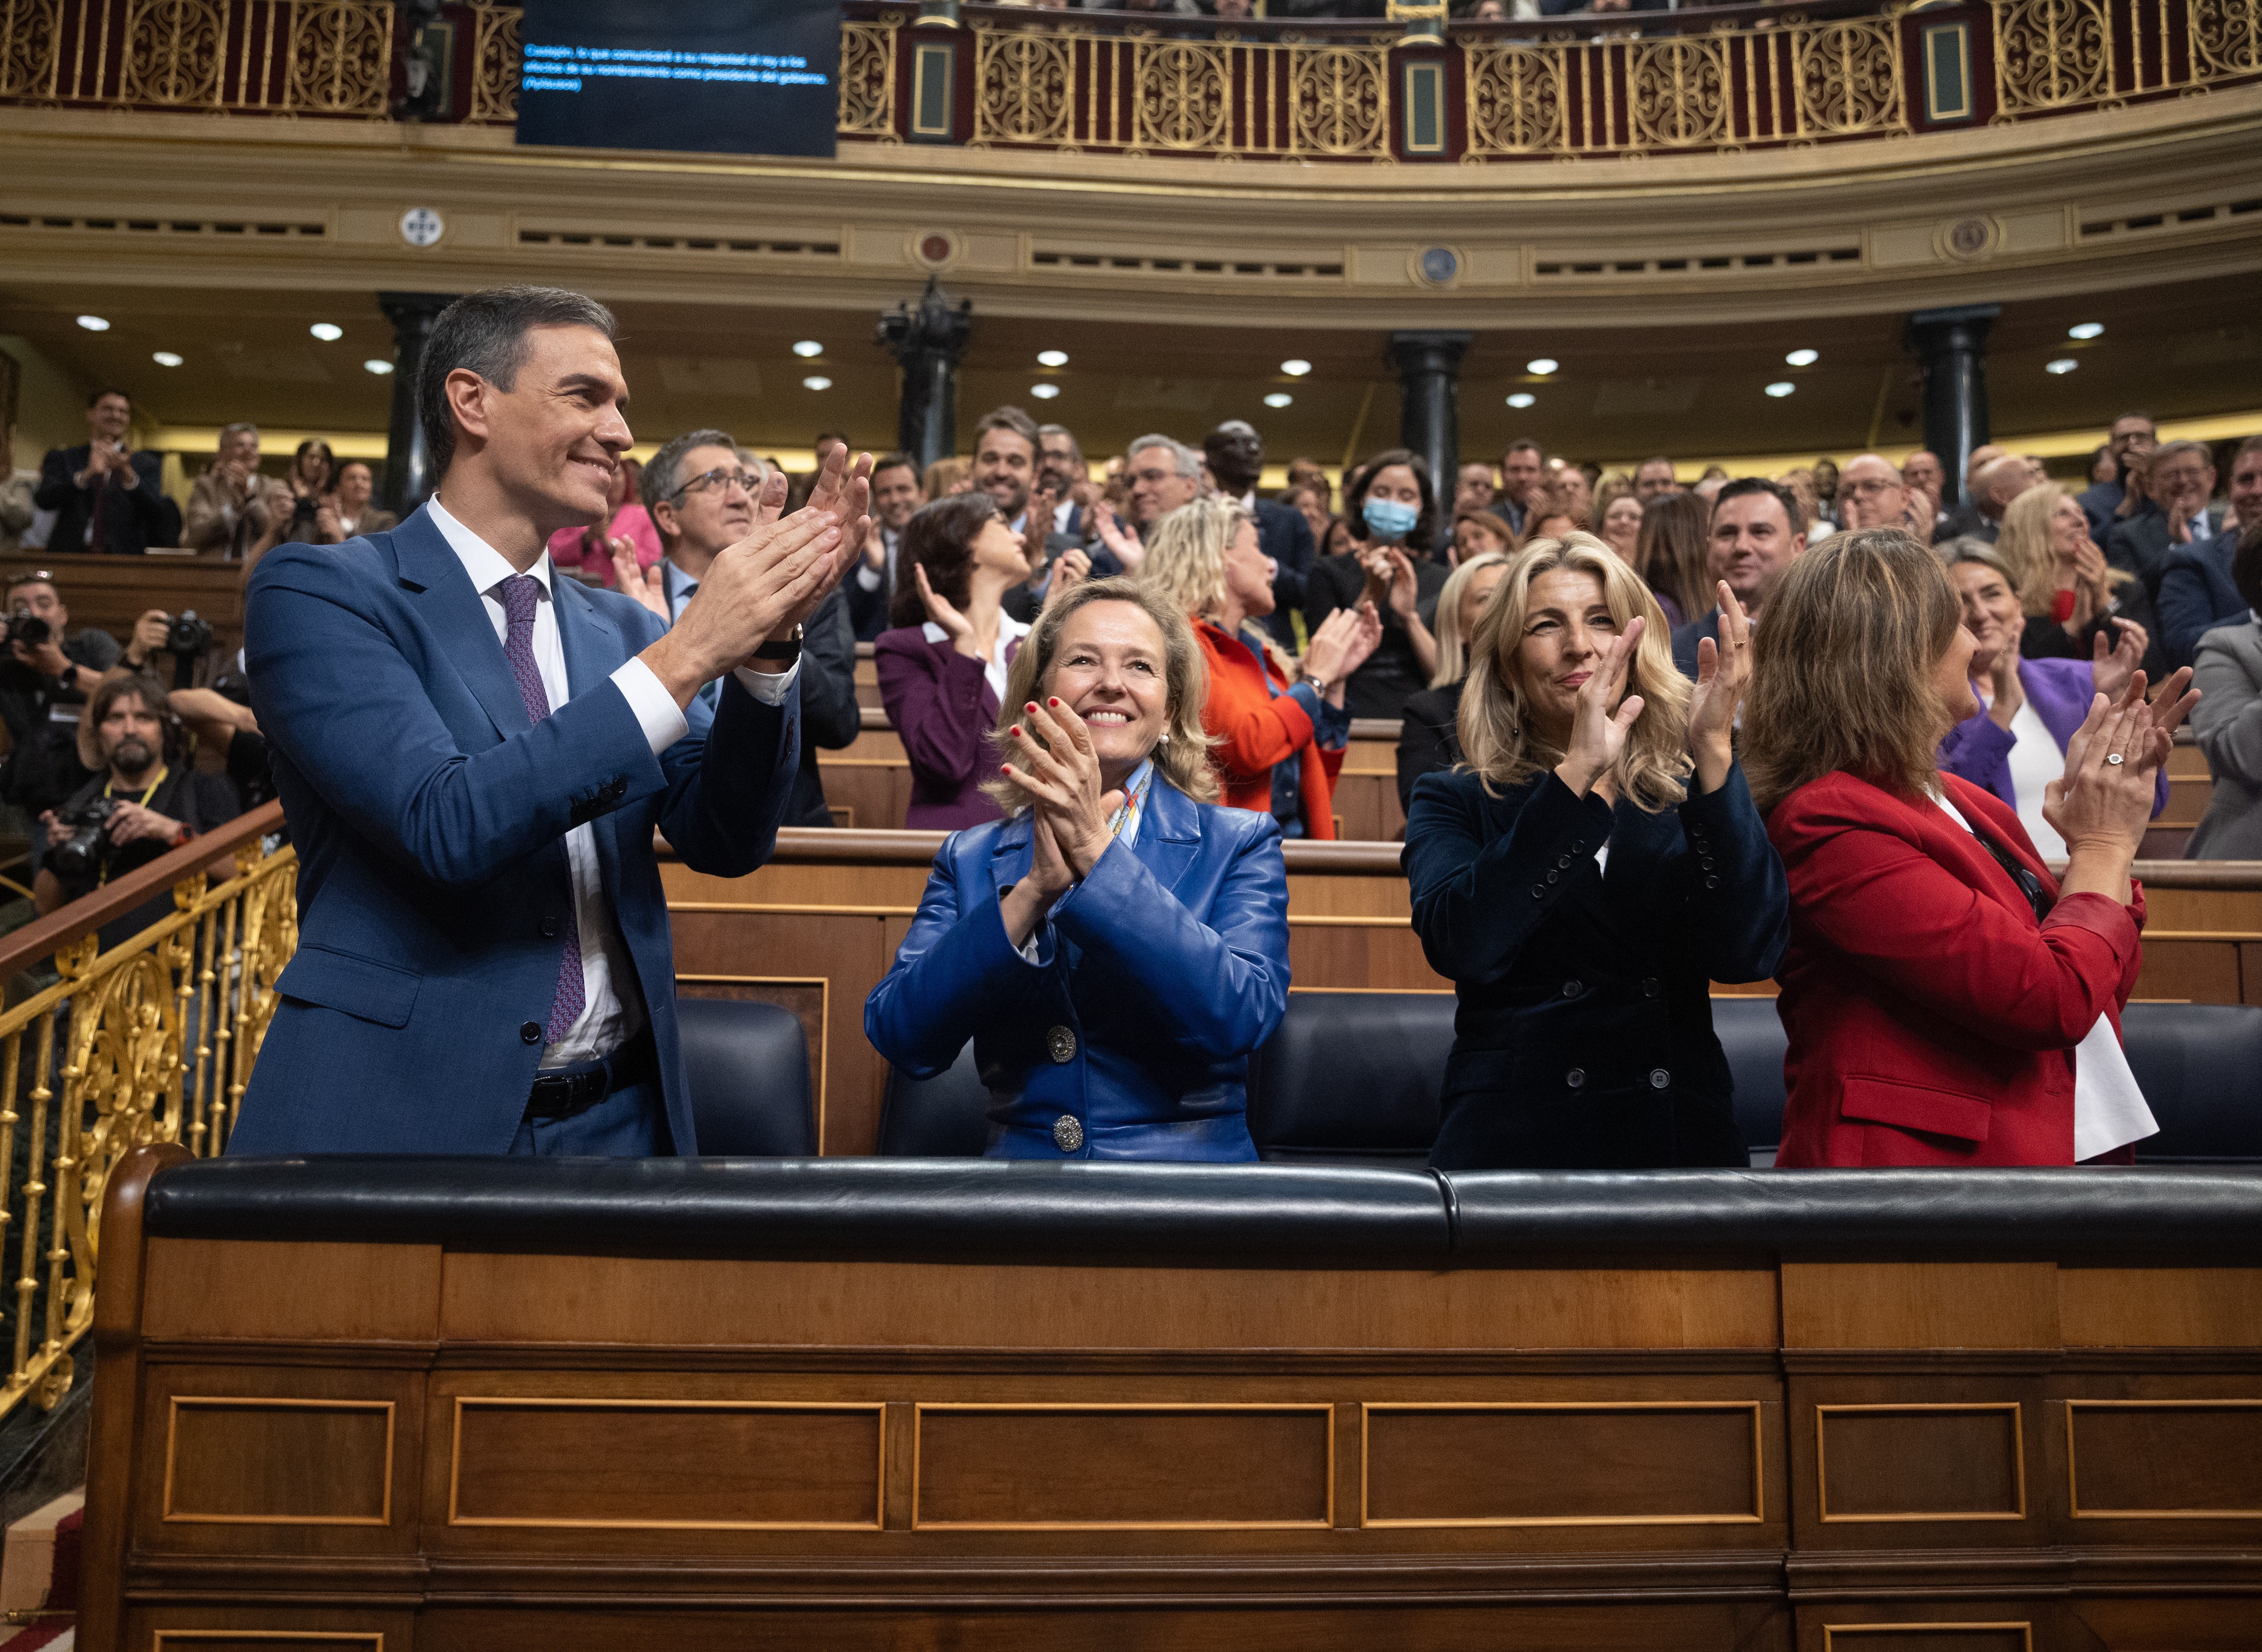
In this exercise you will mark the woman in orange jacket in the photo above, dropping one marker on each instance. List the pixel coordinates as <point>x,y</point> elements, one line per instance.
<point>1278,730</point>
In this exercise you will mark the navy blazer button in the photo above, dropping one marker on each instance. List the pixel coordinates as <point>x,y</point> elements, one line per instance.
<point>1537,889</point>
<point>1571,989</point>
<point>1554,877</point>
<point>1068,1133</point>
<point>1059,1044</point>
<point>1712,882</point>
<point>1576,1078</point>
<point>1565,861</point>
<point>1659,1077</point>
<point>1649,987</point>
<point>530,1032</point>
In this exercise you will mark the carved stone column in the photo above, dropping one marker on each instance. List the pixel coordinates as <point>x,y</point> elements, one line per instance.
<point>927,340</point>
<point>1952,346</point>
<point>408,478</point>
<point>1430,406</point>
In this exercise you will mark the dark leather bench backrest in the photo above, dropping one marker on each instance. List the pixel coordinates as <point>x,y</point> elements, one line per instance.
<point>1751,1036</point>
<point>2200,1066</point>
<point>1352,1077</point>
<point>946,1117</point>
<point>747,1067</point>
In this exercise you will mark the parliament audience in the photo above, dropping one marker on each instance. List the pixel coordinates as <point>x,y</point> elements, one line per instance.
<point>946,476</point>
<point>1311,504</point>
<point>1308,472</point>
<point>1572,494</point>
<point>1429,739</point>
<point>1479,533</point>
<point>1278,734</point>
<point>1923,472</point>
<point>1473,489</point>
<point>1595,865</point>
<point>348,513</point>
<point>1006,467</point>
<point>228,504</point>
<point>2128,449</point>
<point>1523,468</point>
<point>1392,510</point>
<point>104,495</point>
<point>1873,493</point>
<point>1995,480</point>
<point>2015,744</point>
<point>2179,482</point>
<point>1061,462</point>
<point>2068,590</point>
<point>1756,533</point>
<point>1160,473</point>
<point>2228,719</point>
<point>1235,454</point>
<point>1654,478</point>
<point>1620,529</point>
<point>1946,1000</point>
<point>17,510</point>
<point>1118,946</point>
<point>942,670</point>
<point>1673,553</point>
<point>2197,589</point>
<point>896,494</point>
<point>590,551</point>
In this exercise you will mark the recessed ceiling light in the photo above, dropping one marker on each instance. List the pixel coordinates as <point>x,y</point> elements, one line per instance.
<point>94,323</point>
<point>1044,392</point>
<point>1542,365</point>
<point>1279,399</point>
<point>816,381</point>
<point>379,365</point>
<point>166,359</point>
<point>1804,358</point>
<point>2085,329</point>
<point>1296,367</point>
<point>1521,399</point>
<point>1051,358</point>
<point>809,347</point>
<point>2063,364</point>
<point>329,332</point>
<point>1781,387</point>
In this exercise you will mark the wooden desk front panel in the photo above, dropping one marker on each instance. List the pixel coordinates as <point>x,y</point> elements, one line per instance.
<point>920,1446</point>
<point>110,593</point>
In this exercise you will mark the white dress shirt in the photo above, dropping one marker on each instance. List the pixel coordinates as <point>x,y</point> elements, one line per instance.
<point>868,577</point>
<point>612,1011</point>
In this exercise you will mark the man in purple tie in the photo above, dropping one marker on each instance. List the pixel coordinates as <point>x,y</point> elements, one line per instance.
<point>474,754</point>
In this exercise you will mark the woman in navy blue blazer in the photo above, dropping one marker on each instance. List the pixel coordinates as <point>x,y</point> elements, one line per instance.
<point>1586,872</point>
<point>1118,944</point>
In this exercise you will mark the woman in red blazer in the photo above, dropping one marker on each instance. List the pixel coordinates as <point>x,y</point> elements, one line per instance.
<point>1948,1001</point>
<point>1260,713</point>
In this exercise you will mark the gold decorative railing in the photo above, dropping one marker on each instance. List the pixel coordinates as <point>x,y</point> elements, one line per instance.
<point>150,1040</point>
<point>1713,81</point>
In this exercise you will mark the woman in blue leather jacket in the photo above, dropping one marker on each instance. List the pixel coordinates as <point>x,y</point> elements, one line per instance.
<point>1118,944</point>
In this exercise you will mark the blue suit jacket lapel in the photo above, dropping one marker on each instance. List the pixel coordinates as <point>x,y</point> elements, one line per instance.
<point>458,617</point>
<point>1169,835</point>
<point>593,650</point>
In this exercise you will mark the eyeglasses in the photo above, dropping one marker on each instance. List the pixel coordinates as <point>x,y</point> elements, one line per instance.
<point>721,477</point>
<point>1865,485</point>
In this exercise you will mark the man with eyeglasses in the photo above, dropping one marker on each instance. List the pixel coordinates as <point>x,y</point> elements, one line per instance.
<point>701,490</point>
<point>2180,481</point>
<point>1006,460</point>
<point>2197,592</point>
<point>1872,493</point>
<point>2130,444</point>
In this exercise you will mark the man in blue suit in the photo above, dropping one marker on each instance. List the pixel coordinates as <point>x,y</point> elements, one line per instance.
<point>1236,454</point>
<point>474,754</point>
<point>2196,591</point>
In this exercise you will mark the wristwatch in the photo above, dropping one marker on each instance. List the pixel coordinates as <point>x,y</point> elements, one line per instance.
<point>786,651</point>
<point>1318,684</point>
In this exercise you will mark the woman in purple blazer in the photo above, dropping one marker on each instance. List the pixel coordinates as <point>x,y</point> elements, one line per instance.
<point>942,670</point>
<point>2015,747</point>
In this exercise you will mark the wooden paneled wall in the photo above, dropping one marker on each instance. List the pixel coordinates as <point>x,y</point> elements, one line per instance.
<point>817,928</point>
<point>110,593</point>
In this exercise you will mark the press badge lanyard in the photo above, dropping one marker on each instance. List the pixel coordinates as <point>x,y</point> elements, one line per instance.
<point>144,803</point>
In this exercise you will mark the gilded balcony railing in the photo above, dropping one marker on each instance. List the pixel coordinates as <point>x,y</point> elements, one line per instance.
<point>1709,80</point>
<point>149,1040</point>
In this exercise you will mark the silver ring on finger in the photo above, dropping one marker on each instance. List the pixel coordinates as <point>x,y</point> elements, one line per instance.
<point>2114,759</point>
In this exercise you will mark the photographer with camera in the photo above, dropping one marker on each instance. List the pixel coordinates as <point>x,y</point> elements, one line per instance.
<point>46,674</point>
<point>145,798</point>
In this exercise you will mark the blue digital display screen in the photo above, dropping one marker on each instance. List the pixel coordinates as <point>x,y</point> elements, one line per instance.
<point>722,76</point>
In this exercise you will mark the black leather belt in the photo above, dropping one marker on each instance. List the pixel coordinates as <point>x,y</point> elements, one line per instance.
<point>563,1091</point>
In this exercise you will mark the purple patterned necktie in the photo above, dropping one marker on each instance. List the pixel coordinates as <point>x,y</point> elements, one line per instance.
<point>520,594</point>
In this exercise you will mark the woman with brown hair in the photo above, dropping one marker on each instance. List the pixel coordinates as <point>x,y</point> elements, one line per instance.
<point>1670,554</point>
<point>1948,1000</point>
<point>1117,946</point>
<point>1590,868</point>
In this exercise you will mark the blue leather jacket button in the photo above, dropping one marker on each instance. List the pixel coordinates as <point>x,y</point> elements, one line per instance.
<point>1068,1133</point>
<point>1059,1044</point>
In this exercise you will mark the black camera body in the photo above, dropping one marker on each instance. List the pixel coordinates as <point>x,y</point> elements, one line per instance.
<point>186,634</point>
<point>83,852</point>
<point>27,628</point>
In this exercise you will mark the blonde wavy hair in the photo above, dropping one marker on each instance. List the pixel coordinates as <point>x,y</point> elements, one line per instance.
<point>1842,670</point>
<point>1184,565</point>
<point>1182,755</point>
<point>1502,744</point>
<point>2024,542</point>
<point>1453,647</point>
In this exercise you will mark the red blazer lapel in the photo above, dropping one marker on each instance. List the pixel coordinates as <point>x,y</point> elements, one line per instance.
<point>1991,815</point>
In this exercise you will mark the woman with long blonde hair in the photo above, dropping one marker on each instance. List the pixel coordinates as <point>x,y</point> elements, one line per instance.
<point>1429,741</point>
<point>1279,732</point>
<point>1590,868</point>
<point>2071,595</point>
<point>1118,945</point>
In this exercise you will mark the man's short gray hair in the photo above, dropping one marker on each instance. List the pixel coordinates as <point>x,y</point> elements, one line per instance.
<point>664,474</point>
<point>239,427</point>
<point>486,333</point>
<point>1188,461</point>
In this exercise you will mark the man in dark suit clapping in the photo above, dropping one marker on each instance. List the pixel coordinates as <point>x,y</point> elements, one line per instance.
<point>104,495</point>
<point>1236,460</point>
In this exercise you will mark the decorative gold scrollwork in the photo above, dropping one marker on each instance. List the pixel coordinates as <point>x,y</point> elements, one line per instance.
<point>1849,78</point>
<point>1182,98</point>
<point>173,52</point>
<point>867,79</point>
<point>1676,92</point>
<point>1023,78</point>
<point>1516,99</point>
<point>2226,38</point>
<point>1340,100</point>
<point>29,33</point>
<point>341,56</point>
<point>2049,53</point>
<point>494,71</point>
